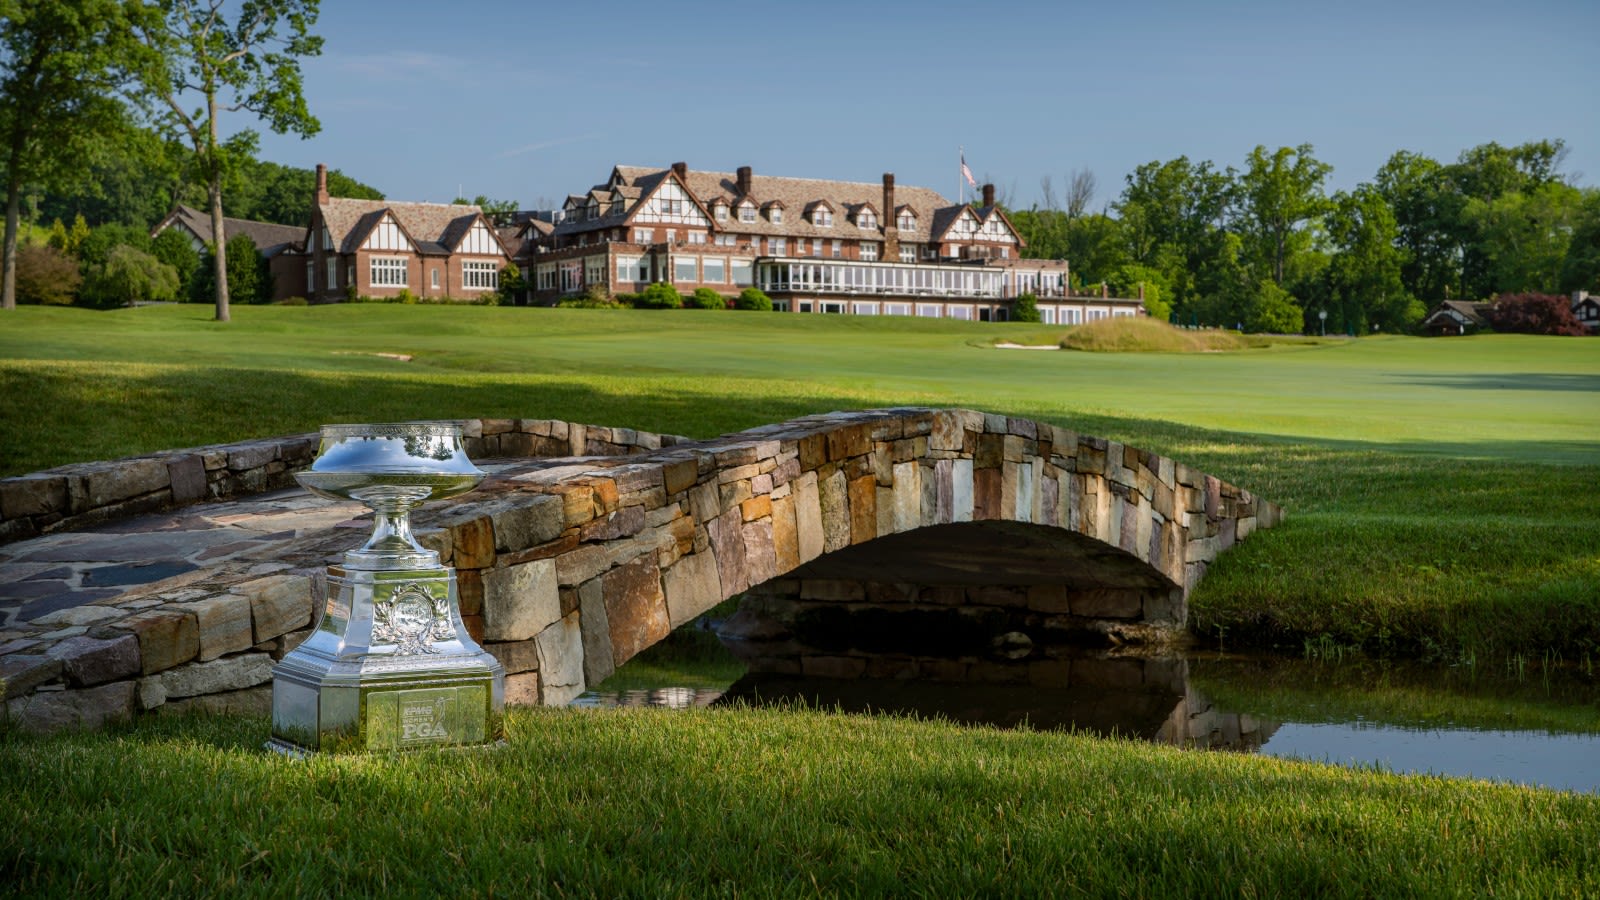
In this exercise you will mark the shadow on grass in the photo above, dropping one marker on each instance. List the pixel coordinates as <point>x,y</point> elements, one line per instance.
<point>1506,381</point>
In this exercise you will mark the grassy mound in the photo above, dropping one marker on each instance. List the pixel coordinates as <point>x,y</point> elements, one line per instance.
<point>1141,334</point>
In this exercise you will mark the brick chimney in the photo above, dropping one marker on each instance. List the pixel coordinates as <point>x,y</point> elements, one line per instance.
<point>742,185</point>
<point>988,195</point>
<point>322,184</point>
<point>891,222</point>
<point>681,168</point>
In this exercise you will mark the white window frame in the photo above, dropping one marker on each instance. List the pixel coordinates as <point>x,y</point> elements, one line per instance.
<point>714,270</point>
<point>777,246</point>
<point>747,212</point>
<point>644,235</point>
<point>867,219</point>
<point>869,251</point>
<point>387,271</point>
<point>775,215</point>
<point>479,275</point>
<point>678,264</point>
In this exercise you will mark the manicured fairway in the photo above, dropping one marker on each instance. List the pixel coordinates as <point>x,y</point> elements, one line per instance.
<point>1441,492</point>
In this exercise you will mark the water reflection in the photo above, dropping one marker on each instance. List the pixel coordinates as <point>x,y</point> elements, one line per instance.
<point>1541,729</point>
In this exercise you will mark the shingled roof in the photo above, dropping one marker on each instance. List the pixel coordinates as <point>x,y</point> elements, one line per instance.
<point>270,238</point>
<point>795,194</point>
<point>433,227</point>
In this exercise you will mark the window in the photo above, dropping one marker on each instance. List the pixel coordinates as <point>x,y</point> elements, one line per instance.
<point>816,246</point>
<point>747,213</point>
<point>865,309</point>
<point>838,249</point>
<point>547,277</point>
<point>1005,252</point>
<point>684,268</point>
<point>388,272</point>
<point>869,251</point>
<point>897,309</point>
<point>594,270</point>
<point>724,240</point>
<point>714,269</point>
<point>777,246</point>
<point>697,237</point>
<point>571,276</point>
<point>644,235</point>
<point>822,217</point>
<point>478,275</point>
<point>632,268</point>
<point>832,307</point>
<point>929,310</point>
<point>961,312</point>
<point>775,214</point>
<point>436,278</point>
<point>744,272</point>
<point>867,219</point>
<point>720,211</point>
<point>311,276</point>
<point>908,221</point>
<point>908,252</point>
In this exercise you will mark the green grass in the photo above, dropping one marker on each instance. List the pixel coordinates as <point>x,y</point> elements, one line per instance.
<point>1440,492</point>
<point>696,803</point>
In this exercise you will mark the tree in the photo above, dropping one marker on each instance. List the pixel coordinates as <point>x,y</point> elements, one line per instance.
<point>1278,194</point>
<point>1580,271</point>
<point>249,278</point>
<point>128,276</point>
<point>58,74</point>
<point>252,65</point>
<point>1364,274</point>
<point>1534,314</point>
<point>1131,280</point>
<point>498,212</point>
<point>1026,309</point>
<point>46,275</point>
<point>173,248</point>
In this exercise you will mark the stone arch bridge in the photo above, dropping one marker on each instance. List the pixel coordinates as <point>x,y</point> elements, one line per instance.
<point>981,528</point>
<point>898,531</point>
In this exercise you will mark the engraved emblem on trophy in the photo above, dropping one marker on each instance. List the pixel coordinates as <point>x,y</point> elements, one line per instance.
<point>389,665</point>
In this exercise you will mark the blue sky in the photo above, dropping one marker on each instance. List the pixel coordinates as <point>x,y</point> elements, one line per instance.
<point>533,100</point>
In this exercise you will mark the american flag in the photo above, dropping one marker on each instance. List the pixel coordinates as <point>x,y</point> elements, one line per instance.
<point>967,173</point>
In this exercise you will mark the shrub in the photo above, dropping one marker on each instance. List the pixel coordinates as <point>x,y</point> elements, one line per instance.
<point>1534,314</point>
<point>1026,309</point>
<point>660,295</point>
<point>293,301</point>
<point>173,248</point>
<point>584,301</point>
<point>128,276</point>
<point>249,280</point>
<point>95,247</point>
<point>46,275</point>
<point>706,298</point>
<point>753,298</point>
<point>405,296</point>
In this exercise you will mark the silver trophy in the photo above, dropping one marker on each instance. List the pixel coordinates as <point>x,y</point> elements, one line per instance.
<point>390,665</point>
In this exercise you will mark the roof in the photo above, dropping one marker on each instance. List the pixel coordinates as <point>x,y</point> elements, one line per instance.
<point>270,238</point>
<point>1467,310</point>
<point>637,182</point>
<point>434,228</point>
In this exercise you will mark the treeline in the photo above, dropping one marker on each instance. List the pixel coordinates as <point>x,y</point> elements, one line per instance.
<point>1266,247</point>
<point>143,176</point>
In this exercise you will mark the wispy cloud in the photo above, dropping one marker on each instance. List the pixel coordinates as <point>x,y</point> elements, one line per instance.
<point>545,145</point>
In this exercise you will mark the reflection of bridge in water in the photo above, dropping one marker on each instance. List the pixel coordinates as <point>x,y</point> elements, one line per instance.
<point>1148,698</point>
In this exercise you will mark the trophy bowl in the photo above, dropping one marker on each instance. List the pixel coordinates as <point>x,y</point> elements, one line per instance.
<point>392,468</point>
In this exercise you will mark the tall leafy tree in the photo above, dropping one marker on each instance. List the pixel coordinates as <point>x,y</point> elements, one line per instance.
<point>1279,194</point>
<point>248,61</point>
<point>1364,274</point>
<point>58,73</point>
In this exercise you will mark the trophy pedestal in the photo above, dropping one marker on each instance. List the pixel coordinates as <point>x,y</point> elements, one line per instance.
<point>390,665</point>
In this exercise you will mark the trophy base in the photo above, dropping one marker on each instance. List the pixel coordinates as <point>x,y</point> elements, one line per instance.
<point>418,684</point>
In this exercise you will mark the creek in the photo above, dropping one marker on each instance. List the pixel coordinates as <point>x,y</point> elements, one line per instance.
<point>1534,724</point>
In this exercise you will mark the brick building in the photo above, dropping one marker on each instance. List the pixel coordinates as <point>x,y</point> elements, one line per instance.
<point>813,246</point>
<point>378,248</point>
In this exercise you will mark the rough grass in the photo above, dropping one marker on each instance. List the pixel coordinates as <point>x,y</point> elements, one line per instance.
<point>1141,334</point>
<point>695,803</point>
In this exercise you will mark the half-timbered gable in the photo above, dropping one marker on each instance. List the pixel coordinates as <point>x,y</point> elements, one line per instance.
<point>380,248</point>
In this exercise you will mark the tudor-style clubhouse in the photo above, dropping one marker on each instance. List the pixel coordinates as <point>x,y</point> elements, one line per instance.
<point>813,246</point>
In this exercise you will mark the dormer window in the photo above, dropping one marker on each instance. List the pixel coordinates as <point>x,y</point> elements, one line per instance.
<point>720,211</point>
<point>866,219</point>
<point>908,221</point>
<point>747,212</point>
<point>822,217</point>
<point>775,215</point>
